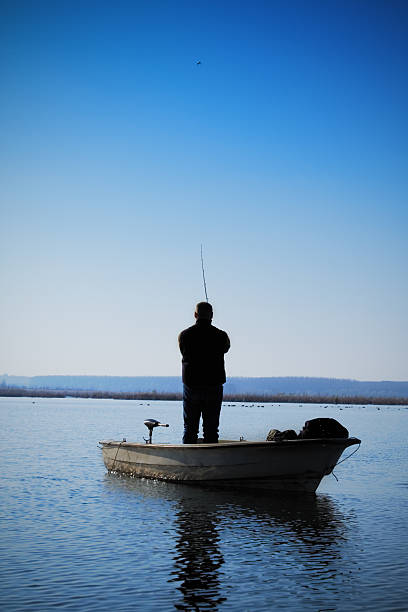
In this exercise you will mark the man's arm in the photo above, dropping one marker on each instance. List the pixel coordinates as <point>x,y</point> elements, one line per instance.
<point>227,343</point>
<point>180,341</point>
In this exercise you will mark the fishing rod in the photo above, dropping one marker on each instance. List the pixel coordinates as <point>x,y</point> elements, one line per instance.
<point>202,267</point>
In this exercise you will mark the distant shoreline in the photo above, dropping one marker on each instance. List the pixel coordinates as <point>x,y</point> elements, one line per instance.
<point>276,398</point>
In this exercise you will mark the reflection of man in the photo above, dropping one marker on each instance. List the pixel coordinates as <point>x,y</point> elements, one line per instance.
<point>197,557</point>
<point>202,346</point>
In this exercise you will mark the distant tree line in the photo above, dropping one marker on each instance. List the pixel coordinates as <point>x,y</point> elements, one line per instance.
<point>63,393</point>
<point>296,398</point>
<point>276,398</point>
<point>262,386</point>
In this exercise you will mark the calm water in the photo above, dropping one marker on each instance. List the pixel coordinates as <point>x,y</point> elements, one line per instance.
<point>77,538</point>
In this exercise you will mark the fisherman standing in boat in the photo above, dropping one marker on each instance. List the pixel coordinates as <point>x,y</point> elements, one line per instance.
<point>203,347</point>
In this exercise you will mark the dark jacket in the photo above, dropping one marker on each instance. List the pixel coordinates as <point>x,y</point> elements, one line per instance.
<point>203,346</point>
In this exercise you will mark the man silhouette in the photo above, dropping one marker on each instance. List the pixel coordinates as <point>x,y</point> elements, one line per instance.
<point>203,347</point>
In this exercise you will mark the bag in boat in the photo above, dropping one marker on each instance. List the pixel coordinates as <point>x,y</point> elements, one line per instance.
<point>275,434</point>
<point>323,428</point>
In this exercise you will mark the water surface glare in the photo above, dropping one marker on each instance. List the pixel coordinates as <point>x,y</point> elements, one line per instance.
<point>77,538</point>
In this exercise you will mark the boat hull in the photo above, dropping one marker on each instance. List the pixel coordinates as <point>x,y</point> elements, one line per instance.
<point>290,465</point>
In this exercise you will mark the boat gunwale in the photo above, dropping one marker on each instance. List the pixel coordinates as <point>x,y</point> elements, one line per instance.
<point>346,442</point>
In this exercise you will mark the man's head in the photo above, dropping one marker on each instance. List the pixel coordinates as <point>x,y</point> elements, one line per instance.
<point>203,310</point>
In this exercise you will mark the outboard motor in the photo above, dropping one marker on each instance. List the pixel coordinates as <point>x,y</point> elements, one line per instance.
<point>151,424</point>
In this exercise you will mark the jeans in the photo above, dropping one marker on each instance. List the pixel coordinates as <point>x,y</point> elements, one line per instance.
<point>202,402</point>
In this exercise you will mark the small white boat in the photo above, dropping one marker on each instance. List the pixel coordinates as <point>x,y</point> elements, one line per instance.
<point>289,465</point>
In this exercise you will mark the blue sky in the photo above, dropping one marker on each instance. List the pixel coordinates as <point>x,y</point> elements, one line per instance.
<point>284,153</point>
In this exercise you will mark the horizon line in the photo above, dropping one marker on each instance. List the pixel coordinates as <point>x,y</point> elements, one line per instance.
<point>228,377</point>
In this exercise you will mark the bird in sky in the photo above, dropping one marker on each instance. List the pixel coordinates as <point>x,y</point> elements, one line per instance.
<point>198,62</point>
